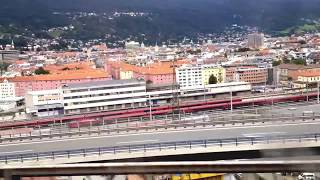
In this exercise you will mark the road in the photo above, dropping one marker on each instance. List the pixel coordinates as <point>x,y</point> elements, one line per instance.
<point>159,136</point>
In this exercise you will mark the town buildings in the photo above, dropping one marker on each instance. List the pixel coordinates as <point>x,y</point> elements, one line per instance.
<point>252,74</point>
<point>103,96</point>
<point>158,73</point>
<point>59,75</point>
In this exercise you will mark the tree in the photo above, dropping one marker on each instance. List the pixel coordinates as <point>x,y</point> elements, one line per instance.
<point>40,70</point>
<point>213,79</point>
<point>299,62</point>
<point>276,63</point>
<point>149,82</point>
<point>4,66</point>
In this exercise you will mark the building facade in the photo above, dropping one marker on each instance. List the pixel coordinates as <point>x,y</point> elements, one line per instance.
<point>255,40</point>
<point>24,84</point>
<point>189,76</point>
<point>7,90</point>
<point>103,96</point>
<point>199,75</point>
<point>160,73</point>
<point>251,74</point>
<point>44,103</point>
<point>211,70</point>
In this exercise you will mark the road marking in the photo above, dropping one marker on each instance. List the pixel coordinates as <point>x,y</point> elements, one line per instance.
<point>158,132</point>
<point>128,142</point>
<point>263,134</point>
<point>12,152</point>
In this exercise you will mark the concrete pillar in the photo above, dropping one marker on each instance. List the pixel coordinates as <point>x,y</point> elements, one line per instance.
<point>8,176</point>
<point>251,176</point>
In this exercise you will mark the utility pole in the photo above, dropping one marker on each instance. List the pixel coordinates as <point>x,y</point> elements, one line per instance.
<point>318,95</point>
<point>204,92</point>
<point>175,91</point>
<point>307,91</point>
<point>231,103</point>
<point>150,113</point>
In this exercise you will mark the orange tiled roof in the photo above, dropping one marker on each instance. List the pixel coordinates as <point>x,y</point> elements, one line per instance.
<point>81,65</point>
<point>66,54</point>
<point>308,73</point>
<point>70,75</point>
<point>20,62</point>
<point>155,68</point>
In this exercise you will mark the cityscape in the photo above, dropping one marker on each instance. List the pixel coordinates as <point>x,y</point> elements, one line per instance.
<point>239,104</point>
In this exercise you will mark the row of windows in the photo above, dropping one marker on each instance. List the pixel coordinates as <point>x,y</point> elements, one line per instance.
<point>98,101</point>
<point>104,94</point>
<point>105,88</point>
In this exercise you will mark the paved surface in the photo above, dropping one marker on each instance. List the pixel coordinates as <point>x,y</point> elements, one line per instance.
<point>159,136</point>
<point>295,109</point>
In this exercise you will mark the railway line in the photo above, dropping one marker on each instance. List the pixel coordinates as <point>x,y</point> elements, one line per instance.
<point>191,107</point>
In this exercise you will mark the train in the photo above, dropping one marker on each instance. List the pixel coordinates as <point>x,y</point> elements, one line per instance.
<point>96,118</point>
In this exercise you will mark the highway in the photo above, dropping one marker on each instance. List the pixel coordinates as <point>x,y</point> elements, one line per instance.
<point>206,118</point>
<point>180,134</point>
<point>290,109</point>
<point>157,110</point>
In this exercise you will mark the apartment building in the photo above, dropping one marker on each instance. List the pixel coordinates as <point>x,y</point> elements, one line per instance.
<point>198,75</point>
<point>7,89</point>
<point>189,76</point>
<point>251,74</point>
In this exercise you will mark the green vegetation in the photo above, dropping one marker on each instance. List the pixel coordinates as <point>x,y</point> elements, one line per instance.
<point>55,33</point>
<point>299,61</point>
<point>276,63</point>
<point>40,70</point>
<point>66,69</point>
<point>3,67</point>
<point>213,79</point>
<point>300,29</point>
<point>243,49</point>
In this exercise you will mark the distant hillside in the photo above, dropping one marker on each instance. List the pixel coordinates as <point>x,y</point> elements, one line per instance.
<point>168,18</point>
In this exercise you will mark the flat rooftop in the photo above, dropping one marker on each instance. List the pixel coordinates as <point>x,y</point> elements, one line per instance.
<point>104,83</point>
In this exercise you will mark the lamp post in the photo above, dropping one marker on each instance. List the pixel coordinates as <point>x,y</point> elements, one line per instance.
<point>318,93</point>
<point>307,91</point>
<point>150,114</point>
<point>204,92</point>
<point>231,105</point>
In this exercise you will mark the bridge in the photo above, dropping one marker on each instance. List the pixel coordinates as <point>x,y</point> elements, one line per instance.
<point>208,133</point>
<point>16,172</point>
<point>284,130</point>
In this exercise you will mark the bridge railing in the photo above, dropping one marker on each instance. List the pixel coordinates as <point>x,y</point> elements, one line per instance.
<point>180,145</point>
<point>203,121</point>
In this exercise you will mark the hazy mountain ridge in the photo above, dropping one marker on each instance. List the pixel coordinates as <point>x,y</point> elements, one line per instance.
<point>169,17</point>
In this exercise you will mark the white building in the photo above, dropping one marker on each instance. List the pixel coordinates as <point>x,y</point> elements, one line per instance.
<point>189,76</point>
<point>255,40</point>
<point>103,95</point>
<point>7,90</point>
<point>44,103</point>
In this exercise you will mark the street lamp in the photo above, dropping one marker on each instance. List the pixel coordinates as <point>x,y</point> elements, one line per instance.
<point>231,105</point>
<point>204,92</point>
<point>307,91</point>
<point>318,94</point>
<point>150,114</point>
